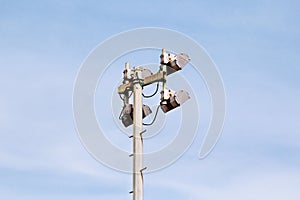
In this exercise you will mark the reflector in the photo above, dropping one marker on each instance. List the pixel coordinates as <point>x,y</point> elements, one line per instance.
<point>146,72</point>
<point>127,114</point>
<point>174,62</point>
<point>174,100</point>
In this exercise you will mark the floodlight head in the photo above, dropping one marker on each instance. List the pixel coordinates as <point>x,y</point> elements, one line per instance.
<point>172,100</point>
<point>146,72</point>
<point>127,114</point>
<point>174,62</point>
<point>127,118</point>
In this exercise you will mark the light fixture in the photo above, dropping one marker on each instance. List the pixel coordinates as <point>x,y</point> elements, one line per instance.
<point>173,62</point>
<point>127,114</point>
<point>134,81</point>
<point>172,100</point>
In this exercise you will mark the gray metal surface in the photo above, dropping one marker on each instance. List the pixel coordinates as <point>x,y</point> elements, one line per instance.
<point>182,59</point>
<point>146,73</point>
<point>181,96</point>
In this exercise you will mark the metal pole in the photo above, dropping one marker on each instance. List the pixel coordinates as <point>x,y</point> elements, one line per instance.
<point>138,193</point>
<point>164,70</point>
<point>134,81</point>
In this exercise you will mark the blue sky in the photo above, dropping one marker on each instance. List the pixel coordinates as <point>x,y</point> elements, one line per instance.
<point>255,45</point>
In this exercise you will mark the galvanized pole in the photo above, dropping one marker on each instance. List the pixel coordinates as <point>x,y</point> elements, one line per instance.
<point>138,193</point>
<point>135,80</point>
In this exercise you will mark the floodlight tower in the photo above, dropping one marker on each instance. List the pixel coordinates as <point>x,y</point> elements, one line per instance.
<point>133,82</point>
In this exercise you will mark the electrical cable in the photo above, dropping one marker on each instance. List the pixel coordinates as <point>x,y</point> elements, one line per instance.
<point>156,112</point>
<point>120,116</point>
<point>130,95</point>
<point>123,98</point>
<point>157,86</point>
